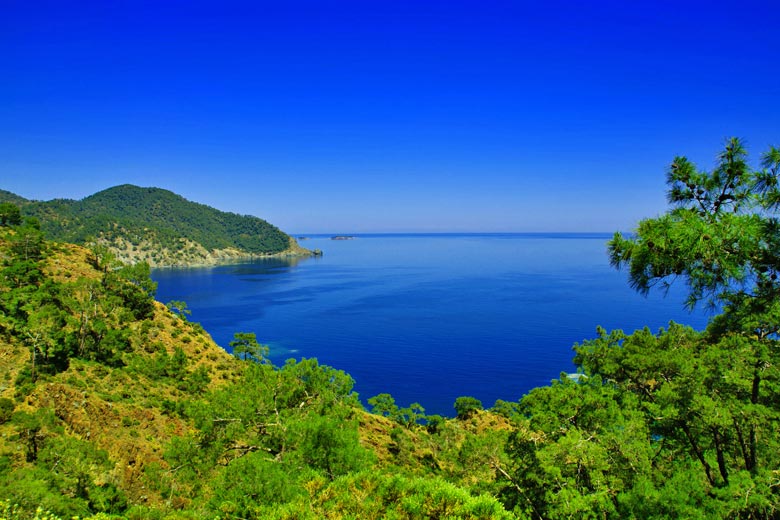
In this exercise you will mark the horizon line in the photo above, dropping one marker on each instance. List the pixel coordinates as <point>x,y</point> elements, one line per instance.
<point>376,233</point>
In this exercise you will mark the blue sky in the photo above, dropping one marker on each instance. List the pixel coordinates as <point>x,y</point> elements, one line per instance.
<point>384,116</point>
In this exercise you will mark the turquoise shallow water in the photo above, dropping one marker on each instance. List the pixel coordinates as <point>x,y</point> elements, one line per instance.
<point>428,318</point>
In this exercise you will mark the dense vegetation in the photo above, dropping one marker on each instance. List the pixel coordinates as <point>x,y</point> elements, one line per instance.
<point>116,406</point>
<point>152,224</point>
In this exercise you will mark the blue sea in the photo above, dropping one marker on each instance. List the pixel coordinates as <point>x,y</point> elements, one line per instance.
<point>429,318</point>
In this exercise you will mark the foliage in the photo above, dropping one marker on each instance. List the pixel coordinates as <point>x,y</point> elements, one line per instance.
<point>246,347</point>
<point>298,416</point>
<point>174,369</point>
<point>384,404</point>
<point>10,215</point>
<point>60,320</point>
<point>506,409</point>
<point>179,309</point>
<point>721,235</point>
<point>717,393</point>
<point>66,476</point>
<point>696,392</point>
<point>467,406</point>
<point>6,409</point>
<point>130,214</point>
<point>253,481</point>
<point>375,495</point>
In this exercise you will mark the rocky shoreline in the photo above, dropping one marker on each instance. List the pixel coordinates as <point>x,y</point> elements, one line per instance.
<point>195,255</point>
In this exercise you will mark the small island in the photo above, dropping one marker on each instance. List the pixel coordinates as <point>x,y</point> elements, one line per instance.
<point>342,237</point>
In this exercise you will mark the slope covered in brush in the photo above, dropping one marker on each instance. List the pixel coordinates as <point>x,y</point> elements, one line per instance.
<point>114,404</point>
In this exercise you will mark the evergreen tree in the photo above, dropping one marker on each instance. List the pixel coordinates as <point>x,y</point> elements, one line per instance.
<point>722,236</point>
<point>10,215</point>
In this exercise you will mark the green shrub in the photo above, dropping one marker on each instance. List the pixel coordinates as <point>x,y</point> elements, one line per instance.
<point>465,407</point>
<point>6,409</point>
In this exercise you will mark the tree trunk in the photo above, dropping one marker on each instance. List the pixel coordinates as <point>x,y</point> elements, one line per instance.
<point>699,454</point>
<point>724,472</point>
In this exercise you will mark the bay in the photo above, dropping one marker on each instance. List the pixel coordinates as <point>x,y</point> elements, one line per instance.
<point>428,318</point>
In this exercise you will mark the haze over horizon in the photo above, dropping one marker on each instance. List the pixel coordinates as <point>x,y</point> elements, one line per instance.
<point>385,116</point>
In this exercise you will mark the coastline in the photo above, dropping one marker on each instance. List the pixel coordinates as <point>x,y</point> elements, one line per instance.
<point>197,256</point>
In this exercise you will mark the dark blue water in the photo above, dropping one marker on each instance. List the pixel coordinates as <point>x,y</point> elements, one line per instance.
<point>428,318</point>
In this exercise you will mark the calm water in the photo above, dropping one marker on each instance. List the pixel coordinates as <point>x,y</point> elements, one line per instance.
<point>428,318</point>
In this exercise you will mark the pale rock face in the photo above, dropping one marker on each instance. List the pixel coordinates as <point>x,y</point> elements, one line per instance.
<point>190,254</point>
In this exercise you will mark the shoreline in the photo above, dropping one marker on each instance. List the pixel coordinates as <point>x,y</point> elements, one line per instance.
<point>241,259</point>
<point>198,256</point>
<point>215,258</point>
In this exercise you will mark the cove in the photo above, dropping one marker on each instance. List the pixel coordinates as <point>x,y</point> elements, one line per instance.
<point>429,318</point>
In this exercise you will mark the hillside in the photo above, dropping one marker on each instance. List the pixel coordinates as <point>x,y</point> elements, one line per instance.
<point>7,196</point>
<point>112,403</point>
<point>157,226</point>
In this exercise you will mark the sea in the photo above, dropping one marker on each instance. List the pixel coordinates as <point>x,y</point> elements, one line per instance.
<point>428,318</point>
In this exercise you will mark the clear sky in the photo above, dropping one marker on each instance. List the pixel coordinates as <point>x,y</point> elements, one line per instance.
<point>373,115</point>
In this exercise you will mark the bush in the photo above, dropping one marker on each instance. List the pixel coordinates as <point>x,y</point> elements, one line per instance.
<point>465,407</point>
<point>6,409</point>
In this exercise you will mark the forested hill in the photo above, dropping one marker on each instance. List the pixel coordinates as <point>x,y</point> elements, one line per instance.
<point>7,196</point>
<point>156,226</point>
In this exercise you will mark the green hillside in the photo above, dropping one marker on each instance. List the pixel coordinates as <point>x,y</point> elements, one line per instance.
<point>113,405</point>
<point>156,226</point>
<point>7,196</point>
